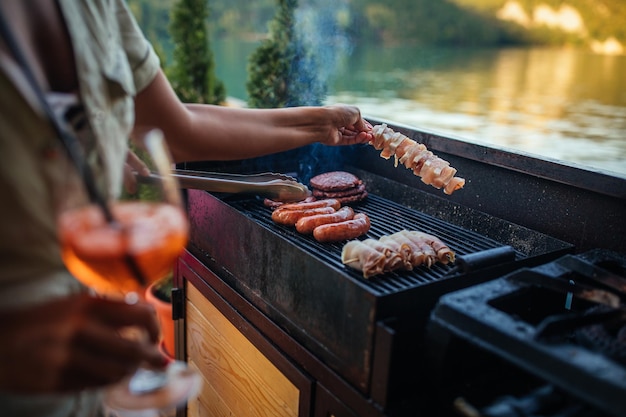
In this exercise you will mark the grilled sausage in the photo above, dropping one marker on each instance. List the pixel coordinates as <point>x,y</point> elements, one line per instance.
<point>274,204</point>
<point>290,217</point>
<point>306,224</point>
<point>328,202</point>
<point>349,229</point>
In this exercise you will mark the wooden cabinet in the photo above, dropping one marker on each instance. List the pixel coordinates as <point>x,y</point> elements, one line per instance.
<point>239,380</point>
<point>243,374</point>
<point>250,366</point>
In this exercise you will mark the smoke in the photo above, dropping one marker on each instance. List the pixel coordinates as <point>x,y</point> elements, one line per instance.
<point>320,29</point>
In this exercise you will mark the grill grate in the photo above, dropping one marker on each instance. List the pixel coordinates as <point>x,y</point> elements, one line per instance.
<point>386,217</point>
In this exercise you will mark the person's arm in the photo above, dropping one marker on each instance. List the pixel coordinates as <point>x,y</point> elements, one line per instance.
<point>207,132</point>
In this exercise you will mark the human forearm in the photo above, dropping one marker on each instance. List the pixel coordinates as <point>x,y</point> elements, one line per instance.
<point>207,132</point>
<point>225,133</point>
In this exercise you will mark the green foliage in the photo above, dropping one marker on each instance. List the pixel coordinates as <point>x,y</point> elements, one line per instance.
<point>153,17</point>
<point>192,73</point>
<point>241,17</point>
<point>162,288</point>
<point>268,66</point>
<point>267,74</point>
<point>430,22</point>
<point>281,71</point>
<point>453,22</point>
<point>143,192</point>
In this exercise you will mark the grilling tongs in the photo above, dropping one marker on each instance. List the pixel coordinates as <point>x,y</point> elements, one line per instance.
<point>276,186</point>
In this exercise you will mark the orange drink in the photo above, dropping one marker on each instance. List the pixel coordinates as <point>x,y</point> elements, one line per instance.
<point>124,256</point>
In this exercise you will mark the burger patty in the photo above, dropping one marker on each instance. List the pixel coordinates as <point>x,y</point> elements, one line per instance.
<point>352,198</point>
<point>340,185</point>
<point>338,194</point>
<point>335,181</point>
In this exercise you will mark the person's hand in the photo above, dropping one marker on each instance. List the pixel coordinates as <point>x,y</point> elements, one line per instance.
<point>73,344</point>
<point>133,165</point>
<point>347,127</point>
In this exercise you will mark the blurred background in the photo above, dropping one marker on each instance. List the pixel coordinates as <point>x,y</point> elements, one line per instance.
<point>544,77</point>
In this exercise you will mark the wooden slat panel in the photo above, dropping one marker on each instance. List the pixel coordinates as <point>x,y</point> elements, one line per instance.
<point>208,403</point>
<point>239,380</point>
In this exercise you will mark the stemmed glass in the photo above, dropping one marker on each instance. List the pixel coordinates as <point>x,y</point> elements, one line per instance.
<point>121,246</point>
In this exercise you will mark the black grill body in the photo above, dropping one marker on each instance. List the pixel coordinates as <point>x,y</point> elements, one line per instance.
<point>354,324</point>
<point>371,332</point>
<point>535,332</point>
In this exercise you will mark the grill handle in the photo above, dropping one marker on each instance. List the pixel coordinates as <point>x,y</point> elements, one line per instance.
<point>484,259</point>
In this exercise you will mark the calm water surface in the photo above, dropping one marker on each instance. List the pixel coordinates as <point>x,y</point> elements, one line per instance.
<point>563,104</point>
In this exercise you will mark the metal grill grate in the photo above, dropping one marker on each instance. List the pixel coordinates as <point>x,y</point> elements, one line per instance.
<point>386,218</point>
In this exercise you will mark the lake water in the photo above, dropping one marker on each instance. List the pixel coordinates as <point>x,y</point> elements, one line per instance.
<point>564,104</point>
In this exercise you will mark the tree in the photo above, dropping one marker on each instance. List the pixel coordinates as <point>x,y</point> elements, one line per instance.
<point>192,73</point>
<point>282,70</point>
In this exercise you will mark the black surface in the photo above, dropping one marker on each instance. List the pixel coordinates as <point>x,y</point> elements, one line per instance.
<point>504,317</point>
<point>329,308</point>
<point>371,329</point>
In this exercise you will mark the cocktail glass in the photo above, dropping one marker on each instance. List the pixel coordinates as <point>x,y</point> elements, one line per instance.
<point>121,246</point>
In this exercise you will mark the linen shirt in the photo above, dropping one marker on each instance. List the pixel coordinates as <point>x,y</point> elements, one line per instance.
<point>114,61</point>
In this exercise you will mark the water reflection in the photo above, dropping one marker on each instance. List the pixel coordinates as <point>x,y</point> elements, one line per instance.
<point>564,104</point>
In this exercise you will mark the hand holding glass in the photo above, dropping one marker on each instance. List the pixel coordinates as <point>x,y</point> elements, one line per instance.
<point>123,247</point>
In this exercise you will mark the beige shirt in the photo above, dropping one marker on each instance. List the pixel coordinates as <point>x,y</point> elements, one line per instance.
<point>114,61</point>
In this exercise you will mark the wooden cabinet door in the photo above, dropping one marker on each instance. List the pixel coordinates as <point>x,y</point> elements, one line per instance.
<point>243,373</point>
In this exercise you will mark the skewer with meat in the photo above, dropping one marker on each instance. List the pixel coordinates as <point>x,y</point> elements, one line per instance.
<point>371,256</point>
<point>393,260</point>
<point>406,250</point>
<point>367,258</point>
<point>415,156</point>
<point>400,248</point>
<point>442,253</point>
<point>417,252</point>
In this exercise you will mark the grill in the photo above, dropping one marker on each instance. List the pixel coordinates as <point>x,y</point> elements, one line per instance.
<point>554,338</point>
<point>368,331</point>
<point>372,333</point>
<point>386,217</point>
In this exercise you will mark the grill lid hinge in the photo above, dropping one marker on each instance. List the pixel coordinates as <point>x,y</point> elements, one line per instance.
<point>178,303</point>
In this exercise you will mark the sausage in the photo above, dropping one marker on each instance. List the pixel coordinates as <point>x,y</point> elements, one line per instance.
<point>349,229</point>
<point>306,224</point>
<point>273,204</point>
<point>328,202</point>
<point>290,217</point>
